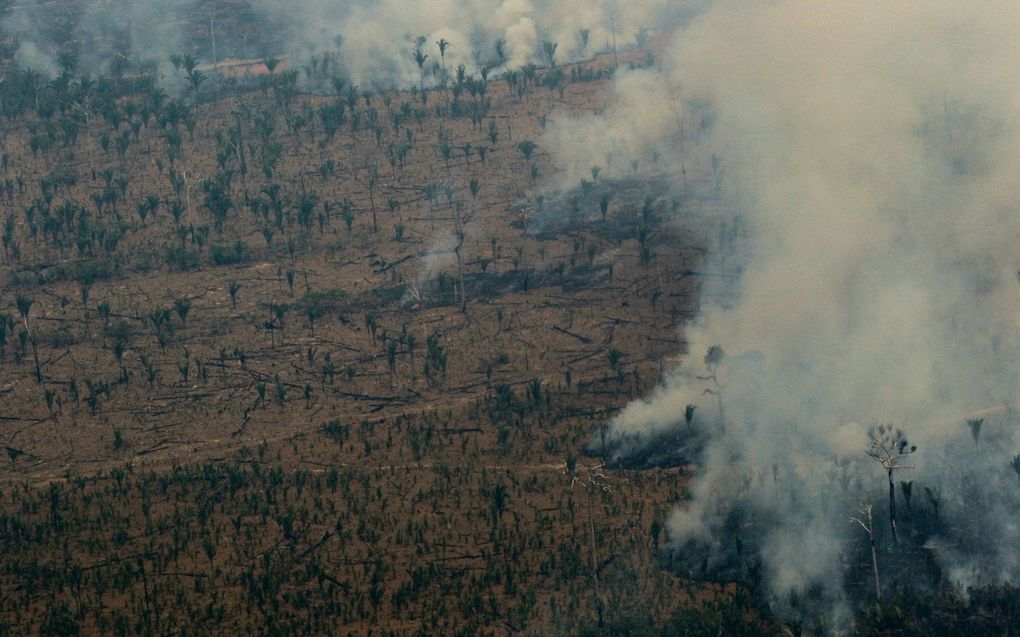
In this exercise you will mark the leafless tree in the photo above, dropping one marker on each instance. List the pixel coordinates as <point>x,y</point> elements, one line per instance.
<point>713,358</point>
<point>461,218</point>
<point>868,526</point>
<point>612,12</point>
<point>24,304</point>
<point>595,481</point>
<point>889,447</point>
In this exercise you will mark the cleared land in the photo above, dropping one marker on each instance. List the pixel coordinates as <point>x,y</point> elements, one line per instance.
<point>299,379</point>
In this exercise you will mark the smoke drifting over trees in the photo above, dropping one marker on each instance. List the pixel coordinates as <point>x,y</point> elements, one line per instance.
<point>872,148</point>
<point>374,41</point>
<point>864,155</point>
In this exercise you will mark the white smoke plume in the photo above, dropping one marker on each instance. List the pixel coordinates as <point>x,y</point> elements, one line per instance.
<point>873,148</point>
<point>94,34</point>
<point>371,43</point>
<point>28,54</point>
<point>379,37</point>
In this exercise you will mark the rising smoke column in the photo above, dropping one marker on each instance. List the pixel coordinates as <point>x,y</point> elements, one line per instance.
<point>874,149</point>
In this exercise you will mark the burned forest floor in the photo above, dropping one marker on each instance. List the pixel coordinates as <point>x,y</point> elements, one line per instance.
<point>280,361</point>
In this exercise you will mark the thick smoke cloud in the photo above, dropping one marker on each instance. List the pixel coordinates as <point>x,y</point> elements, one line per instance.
<point>873,149</point>
<point>638,126</point>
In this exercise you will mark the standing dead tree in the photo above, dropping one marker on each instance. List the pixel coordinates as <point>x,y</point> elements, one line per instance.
<point>24,304</point>
<point>889,447</point>
<point>869,528</point>
<point>594,482</point>
<point>713,358</point>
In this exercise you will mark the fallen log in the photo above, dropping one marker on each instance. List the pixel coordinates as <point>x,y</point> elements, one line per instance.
<point>583,339</point>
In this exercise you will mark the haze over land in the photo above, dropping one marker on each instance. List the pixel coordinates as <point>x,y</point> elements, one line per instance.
<point>537,317</point>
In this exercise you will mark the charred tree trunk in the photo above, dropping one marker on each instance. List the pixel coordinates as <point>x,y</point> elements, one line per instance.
<point>892,507</point>
<point>599,606</point>
<point>35,350</point>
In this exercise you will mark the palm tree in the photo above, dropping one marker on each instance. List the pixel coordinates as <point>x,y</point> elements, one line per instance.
<point>975,427</point>
<point>420,58</point>
<point>443,45</point>
<point>182,306</point>
<point>189,63</point>
<point>195,79</point>
<point>549,52</point>
<point>271,63</point>
<point>24,304</point>
<point>527,147</point>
